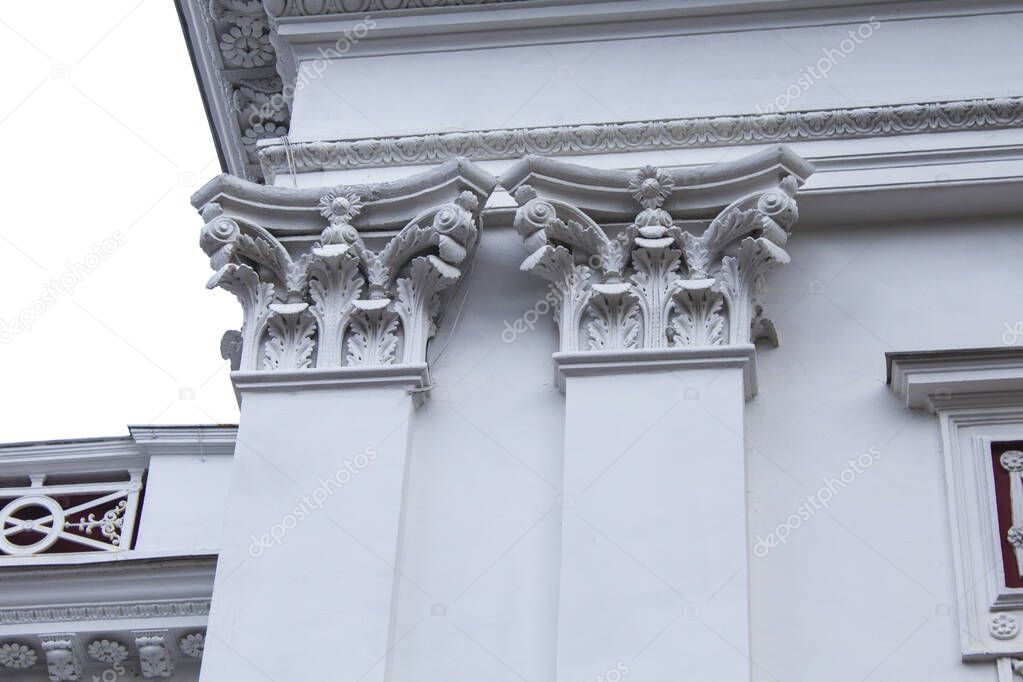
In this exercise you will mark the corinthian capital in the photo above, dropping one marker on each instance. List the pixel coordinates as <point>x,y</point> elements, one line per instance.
<point>657,258</point>
<point>343,276</point>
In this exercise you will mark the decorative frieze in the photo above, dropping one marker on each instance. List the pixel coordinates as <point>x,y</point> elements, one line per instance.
<point>17,656</point>
<point>651,283</point>
<point>301,8</point>
<point>62,659</point>
<point>107,651</point>
<point>193,644</point>
<point>347,297</point>
<point>156,609</point>
<point>154,657</point>
<point>635,136</point>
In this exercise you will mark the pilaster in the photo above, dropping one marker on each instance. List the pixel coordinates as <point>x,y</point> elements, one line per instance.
<point>660,275</point>
<point>341,289</point>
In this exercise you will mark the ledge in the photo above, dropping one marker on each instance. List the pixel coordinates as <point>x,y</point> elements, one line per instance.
<point>945,378</point>
<point>603,363</point>
<point>412,377</point>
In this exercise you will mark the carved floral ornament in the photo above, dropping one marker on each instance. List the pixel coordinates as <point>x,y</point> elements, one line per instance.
<point>653,284</point>
<point>341,303</point>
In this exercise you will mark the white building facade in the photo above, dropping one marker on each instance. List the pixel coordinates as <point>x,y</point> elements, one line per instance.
<point>580,340</point>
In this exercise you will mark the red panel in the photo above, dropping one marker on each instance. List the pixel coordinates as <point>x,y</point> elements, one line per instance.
<point>1012,578</point>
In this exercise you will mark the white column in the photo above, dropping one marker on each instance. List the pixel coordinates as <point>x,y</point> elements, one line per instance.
<point>341,289</point>
<point>307,572</point>
<point>653,580</point>
<point>660,275</point>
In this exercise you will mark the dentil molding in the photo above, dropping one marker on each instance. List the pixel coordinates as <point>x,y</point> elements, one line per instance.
<point>353,292</point>
<point>628,277</point>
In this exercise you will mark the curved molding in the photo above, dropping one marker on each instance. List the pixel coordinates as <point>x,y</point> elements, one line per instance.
<point>695,193</point>
<point>286,210</point>
<point>677,133</point>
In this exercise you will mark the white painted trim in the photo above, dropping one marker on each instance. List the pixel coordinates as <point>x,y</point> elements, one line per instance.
<point>600,363</point>
<point>977,395</point>
<point>409,376</point>
<point>938,380</point>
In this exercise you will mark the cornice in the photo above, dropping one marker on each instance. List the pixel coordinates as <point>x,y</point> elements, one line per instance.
<point>113,590</point>
<point>651,135</point>
<point>940,379</point>
<point>120,453</point>
<point>185,440</point>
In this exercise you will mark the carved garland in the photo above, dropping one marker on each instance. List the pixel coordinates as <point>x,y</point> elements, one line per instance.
<point>682,133</point>
<point>340,304</point>
<point>653,285</point>
<point>297,8</point>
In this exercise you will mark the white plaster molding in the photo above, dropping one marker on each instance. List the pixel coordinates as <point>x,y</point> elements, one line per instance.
<point>652,285</point>
<point>412,376</point>
<point>681,133</point>
<point>63,658</point>
<point>105,611</point>
<point>941,379</point>
<point>128,590</point>
<point>119,454</point>
<point>300,8</point>
<point>977,395</point>
<point>598,363</point>
<point>340,302</point>
<point>236,67</point>
<point>206,440</point>
<point>155,657</point>
<point>17,656</point>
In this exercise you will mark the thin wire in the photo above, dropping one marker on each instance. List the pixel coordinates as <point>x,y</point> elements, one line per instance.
<point>291,161</point>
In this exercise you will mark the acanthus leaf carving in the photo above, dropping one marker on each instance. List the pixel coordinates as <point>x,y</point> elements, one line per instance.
<point>614,319</point>
<point>339,301</point>
<point>654,284</point>
<point>255,297</point>
<point>373,334</point>
<point>290,343</point>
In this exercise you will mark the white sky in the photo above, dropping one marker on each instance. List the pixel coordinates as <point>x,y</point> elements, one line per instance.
<point>105,134</point>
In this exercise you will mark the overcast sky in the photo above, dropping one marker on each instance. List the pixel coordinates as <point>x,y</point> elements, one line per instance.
<point>105,140</point>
